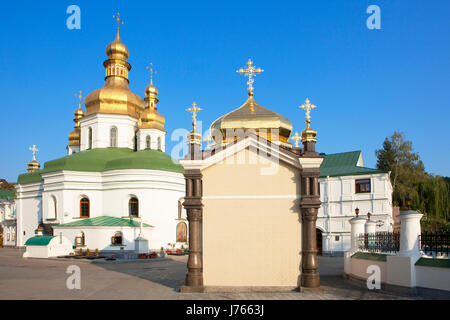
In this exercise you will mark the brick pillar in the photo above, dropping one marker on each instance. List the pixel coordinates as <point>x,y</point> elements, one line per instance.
<point>193,205</point>
<point>309,206</point>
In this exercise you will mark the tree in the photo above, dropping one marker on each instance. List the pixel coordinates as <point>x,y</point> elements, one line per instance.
<point>430,194</point>
<point>407,170</point>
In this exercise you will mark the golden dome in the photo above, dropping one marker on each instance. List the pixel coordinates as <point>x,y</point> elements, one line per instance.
<point>75,135</point>
<point>151,118</point>
<point>117,50</point>
<point>33,166</point>
<point>252,116</point>
<point>115,97</point>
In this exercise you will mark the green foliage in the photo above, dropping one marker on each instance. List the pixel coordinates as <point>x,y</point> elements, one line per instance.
<point>430,194</point>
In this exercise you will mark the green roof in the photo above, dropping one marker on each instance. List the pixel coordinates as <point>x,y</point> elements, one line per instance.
<point>5,194</point>
<point>103,221</point>
<point>39,241</point>
<point>103,159</point>
<point>344,164</point>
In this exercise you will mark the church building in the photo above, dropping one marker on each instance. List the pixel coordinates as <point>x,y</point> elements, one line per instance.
<point>117,184</point>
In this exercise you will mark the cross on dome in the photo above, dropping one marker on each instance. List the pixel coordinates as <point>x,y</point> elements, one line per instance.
<point>150,67</point>
<point>34,150</point>
<point>308,107</point>
<point>296,138</point>
<point>117,18</point>
<point>250,72</point>
<point>80,97</point>
<point>194,110</point>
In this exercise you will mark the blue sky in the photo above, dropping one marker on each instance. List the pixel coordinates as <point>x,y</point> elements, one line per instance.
<point>366,83</point>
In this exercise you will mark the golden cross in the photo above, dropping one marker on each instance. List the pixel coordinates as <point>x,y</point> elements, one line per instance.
<point>79,96</point>
<point>308,107</point>
<point>151,72</point>
<point>117,17</point>
<point>194,111</point>
<point>296,138</point>
<point>208,140</point>
<point>34,151</point>
<point>250,72</point>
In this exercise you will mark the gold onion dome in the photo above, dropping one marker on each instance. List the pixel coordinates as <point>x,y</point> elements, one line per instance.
<point>252,116</point>
<point>75,135</point>
<point>115,97</point>
<point>151,118</point>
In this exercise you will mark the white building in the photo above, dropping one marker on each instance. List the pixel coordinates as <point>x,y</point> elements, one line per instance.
<point>117,184</point>
<point>8,217</point>
<point>346,185</point>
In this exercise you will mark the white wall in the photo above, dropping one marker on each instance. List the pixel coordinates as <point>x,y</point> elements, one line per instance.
<point>29,210</point>
<point>339,201</point>
<point>101,125</point>
<point>154,135</point>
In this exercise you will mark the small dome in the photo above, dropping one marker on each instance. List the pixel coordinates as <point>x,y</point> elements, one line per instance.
<point>151,119</point>
<point>117,50</point>
<point>151,90</point>
<point>74,137</point>
<point>253,116</point>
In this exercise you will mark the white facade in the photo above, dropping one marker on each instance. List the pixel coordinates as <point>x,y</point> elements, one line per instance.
<point>101,125</point>
<point>151,139</point>
<point>339,201</point>
<point>56,200</point>
<point>8,221</point>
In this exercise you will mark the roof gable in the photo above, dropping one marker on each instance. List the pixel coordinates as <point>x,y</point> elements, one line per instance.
<point>345,164</point>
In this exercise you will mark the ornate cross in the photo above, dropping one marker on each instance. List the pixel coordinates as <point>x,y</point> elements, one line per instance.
<point>151,72</point>
<point>80,97</point>
<point>117,17</point>
<point>250,71</point>
<point>308,107</point>
<point>34,151</point>
<point>208,140</point>
<point>296,138</point>
<point>194,111</point>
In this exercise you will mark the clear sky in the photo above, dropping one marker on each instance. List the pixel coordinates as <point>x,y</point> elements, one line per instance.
<point>366,83</point>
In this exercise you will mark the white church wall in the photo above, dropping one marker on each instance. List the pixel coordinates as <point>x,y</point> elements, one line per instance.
<point>29,211</point>
<point>101,125</point>
<point>154,136</point>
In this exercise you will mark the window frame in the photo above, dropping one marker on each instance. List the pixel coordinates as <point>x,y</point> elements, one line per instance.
<point>84,201</point>
<point>363,182</point>
<point>130,203</point>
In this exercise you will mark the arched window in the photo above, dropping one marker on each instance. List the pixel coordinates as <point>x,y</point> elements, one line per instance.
<point>84,208</point>
<point>113,137</point>
<point>117,238</point>
<point>159,143</point>
<point>181,232</point>
<point>133,207</point>
<point>90,138</point>
<point>148,142</point>
<point>52,209</point>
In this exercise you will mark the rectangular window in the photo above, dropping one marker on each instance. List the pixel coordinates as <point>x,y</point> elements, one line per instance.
<point>363,186</point>
<point>336,238</point>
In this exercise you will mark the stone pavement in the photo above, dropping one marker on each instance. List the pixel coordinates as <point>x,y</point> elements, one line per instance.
<point>146,279</point>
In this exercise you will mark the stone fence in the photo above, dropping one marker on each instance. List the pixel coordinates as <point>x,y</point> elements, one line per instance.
<point>378,258</point>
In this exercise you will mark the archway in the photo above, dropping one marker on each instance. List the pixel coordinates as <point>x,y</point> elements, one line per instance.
<point>319,241</point>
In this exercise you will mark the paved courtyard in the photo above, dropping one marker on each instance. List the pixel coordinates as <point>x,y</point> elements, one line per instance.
<point>145,279</point>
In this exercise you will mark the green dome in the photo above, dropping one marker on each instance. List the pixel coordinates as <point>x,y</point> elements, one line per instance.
<point>103,159</point>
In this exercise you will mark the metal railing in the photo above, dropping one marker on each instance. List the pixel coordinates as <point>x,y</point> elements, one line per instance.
<point>432,243</point>
<point>379,242</point>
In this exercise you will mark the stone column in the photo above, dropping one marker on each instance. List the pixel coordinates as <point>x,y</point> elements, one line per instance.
<point>409,233</point>
<point>357,227</point>
<point>193,205</point>
<point>309,206</point>
<point>370,226</point>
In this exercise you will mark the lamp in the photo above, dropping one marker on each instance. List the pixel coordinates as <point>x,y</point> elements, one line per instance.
<point>408,202</point>
<point>357,211</point>
<point>368,215</point>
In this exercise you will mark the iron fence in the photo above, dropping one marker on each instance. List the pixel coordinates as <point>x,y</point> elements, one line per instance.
<point>379,242</point>
<point>435,242</point>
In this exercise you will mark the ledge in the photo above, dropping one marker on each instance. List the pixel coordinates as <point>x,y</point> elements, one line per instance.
<point>430,262</point>
<point>370,256</point>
